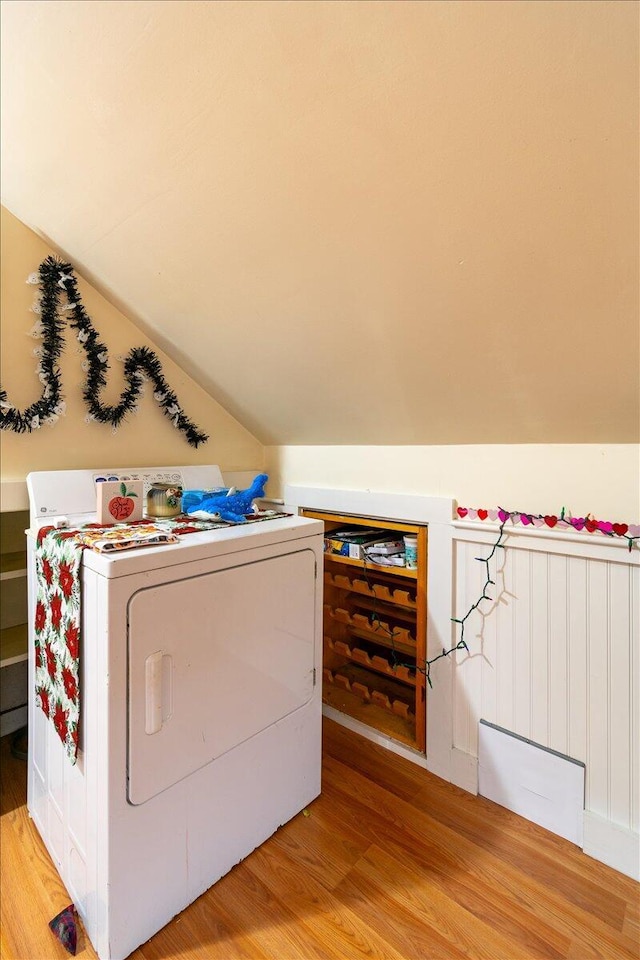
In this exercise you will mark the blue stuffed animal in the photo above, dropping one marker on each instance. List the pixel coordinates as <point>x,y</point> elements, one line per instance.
<point>231,506</point>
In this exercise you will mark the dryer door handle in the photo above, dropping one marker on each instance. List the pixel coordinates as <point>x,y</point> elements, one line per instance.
<point>153,692</point>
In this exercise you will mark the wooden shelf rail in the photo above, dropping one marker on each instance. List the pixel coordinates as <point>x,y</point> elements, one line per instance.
<point>377,663</point>
<point>377,591</point>
<point>381,632</point>
<point>361,690</point>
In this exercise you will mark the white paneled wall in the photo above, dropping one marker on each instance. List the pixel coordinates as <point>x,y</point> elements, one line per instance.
<point>555,658</point>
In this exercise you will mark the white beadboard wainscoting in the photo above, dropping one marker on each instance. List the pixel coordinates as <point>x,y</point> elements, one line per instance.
<point>555,658</point>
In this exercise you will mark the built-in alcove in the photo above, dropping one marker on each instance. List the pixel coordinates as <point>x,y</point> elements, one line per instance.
<point>414,721</point>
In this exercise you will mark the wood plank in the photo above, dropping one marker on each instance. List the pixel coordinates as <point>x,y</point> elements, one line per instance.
<point>391,862</point>
<point>550,914</point>
<point>389,770</point>
<point>401,928</point>
<point>457,875</point>
<point>342,933</point>
<point>412,890</point>
<point>322,852</point>
<point>518,840</point>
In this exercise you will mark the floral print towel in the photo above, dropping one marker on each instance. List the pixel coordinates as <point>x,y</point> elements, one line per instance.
<point>57,616</point>
<point>57,632</point>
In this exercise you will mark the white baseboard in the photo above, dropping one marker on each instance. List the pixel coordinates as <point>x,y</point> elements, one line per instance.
<point>457,767</point>
<point>616,846</point>
<point>464,770</point>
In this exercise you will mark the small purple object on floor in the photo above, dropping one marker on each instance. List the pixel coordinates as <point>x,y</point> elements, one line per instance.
<point>65,929</point>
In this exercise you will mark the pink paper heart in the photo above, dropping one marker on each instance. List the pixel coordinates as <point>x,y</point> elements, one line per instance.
<point>605,526</point>
<point>525,519</point>
<point>503,515</point>
<point>537,521</point>
<point>634,530</point>
<point>473,514</point>
<point>493,514</point>
<point>462,511</point>
<point>578,523</point>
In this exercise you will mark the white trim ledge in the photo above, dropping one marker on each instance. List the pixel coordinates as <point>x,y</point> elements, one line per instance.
<point>376,504</point>
<point>592,545</point>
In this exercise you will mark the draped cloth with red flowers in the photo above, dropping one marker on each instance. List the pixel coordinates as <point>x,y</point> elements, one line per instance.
<point>57,632</point>
<point>58,618</point>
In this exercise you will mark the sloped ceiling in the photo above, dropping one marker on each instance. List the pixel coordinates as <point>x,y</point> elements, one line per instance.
<point>351,222</point>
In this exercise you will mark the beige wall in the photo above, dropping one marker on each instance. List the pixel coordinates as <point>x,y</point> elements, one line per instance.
<point>147,438</point>
<point>353,222</point>
<point>538,478</point>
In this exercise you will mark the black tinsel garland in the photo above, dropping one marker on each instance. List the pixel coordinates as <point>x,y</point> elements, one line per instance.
<point>57,278</point>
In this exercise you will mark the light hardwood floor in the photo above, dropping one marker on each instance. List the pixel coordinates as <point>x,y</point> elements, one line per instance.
<point>389,863</point>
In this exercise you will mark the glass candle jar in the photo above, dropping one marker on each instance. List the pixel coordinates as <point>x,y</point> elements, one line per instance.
<point>164,500</point>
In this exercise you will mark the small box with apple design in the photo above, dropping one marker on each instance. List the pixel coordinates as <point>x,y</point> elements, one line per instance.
<point>119,501</point>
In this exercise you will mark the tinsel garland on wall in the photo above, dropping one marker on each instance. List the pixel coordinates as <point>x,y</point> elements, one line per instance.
<point>57,280</point>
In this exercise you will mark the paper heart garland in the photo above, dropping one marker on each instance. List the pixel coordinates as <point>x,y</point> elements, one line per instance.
<point>631,532</point>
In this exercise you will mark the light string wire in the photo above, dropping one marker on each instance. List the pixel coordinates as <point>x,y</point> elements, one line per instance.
<point>57,278</point>
<point>461,644</point>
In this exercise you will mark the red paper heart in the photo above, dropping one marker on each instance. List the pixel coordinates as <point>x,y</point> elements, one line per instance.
<point>551,521</point>
<point>620,528</point>
<point>483,514</point>
<point>591,525</point>
<point>462,511</point>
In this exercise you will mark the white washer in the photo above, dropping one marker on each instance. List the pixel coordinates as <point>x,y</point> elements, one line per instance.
<point>215,645</point>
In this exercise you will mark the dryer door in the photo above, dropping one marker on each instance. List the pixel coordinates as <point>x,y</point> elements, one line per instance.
<point>213,660</point>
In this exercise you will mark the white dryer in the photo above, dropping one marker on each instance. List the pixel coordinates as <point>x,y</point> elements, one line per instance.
<point>200,726</point>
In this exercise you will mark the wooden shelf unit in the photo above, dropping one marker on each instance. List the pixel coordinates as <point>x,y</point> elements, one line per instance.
<point>375,628</point>
<point>13,621</point>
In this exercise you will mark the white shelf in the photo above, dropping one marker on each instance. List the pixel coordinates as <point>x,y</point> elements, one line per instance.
<point>12,565</point>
